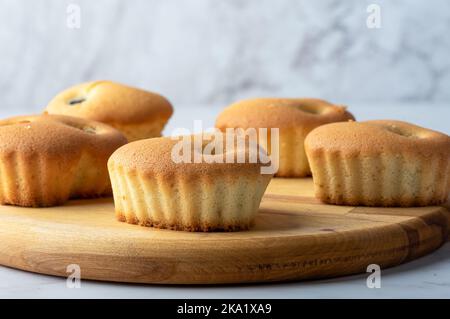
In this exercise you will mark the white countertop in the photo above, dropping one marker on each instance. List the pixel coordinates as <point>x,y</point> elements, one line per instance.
<point>427,277</point>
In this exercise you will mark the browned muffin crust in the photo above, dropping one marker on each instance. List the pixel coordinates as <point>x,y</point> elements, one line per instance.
<point>283,113</point>
<point>154,157</point>
<point>57,135</point>
<point>372,137</point>
<point>110,102</point>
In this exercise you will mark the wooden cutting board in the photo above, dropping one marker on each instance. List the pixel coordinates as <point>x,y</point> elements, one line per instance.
<point>295,237</point>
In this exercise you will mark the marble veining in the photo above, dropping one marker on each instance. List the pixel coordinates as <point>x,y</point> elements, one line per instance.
<point>202,52</point>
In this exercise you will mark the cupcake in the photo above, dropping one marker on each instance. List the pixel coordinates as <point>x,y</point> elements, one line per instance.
<point>379,163</point>
<point>138,114</point>
<point>152,186</point>
<point>294,118</point>
<point>45,160</point>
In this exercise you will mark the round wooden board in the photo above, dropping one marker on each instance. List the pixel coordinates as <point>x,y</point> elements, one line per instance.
<point>295,237</point>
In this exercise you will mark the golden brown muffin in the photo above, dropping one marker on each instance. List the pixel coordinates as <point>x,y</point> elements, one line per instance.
<point>295,118</point>
<point>138,114</point>
<point>379,163</point>
<point>151,189</point>
<point>45,160</point>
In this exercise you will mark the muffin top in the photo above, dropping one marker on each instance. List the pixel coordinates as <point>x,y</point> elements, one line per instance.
<point>281,113</point>
<point>57,135</point>
<point>163,156</point>
<point>377,136</point>
<point>110,102</point>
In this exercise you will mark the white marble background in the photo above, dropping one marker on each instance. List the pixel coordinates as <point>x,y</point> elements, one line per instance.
<point>204,52</point>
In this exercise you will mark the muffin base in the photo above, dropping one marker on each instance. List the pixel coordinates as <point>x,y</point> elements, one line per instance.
<point>179,226</point>
<point>387,180</point>
<point>36,181</point>
<point>193,203</point>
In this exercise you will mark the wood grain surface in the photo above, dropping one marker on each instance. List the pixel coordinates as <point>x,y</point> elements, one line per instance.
<point>295,237</point>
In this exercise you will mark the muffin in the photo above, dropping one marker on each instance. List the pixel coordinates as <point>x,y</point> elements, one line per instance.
<point>152,188</point>
<point>295,118</point>
<point>138,114</point>
<point>45,160</point>
<point>379,163</point>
